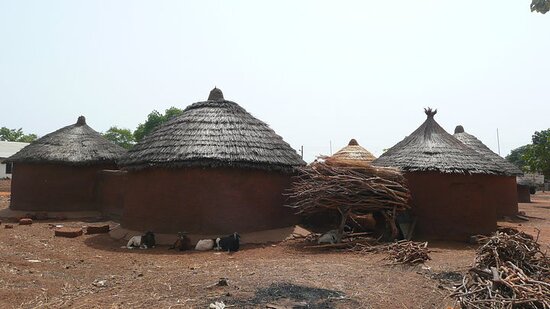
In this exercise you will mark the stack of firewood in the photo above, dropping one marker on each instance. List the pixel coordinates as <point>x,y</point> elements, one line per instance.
<point>400,252</point>
<point>511,271</point>
<point>350,187</point>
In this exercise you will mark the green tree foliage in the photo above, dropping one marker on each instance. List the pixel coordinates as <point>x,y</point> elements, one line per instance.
<point>120,136</point>
<point>537,155</point>
<point>153,120</point>
<point>16,135</point>
<point>516,156</point>
<point>541,6</point>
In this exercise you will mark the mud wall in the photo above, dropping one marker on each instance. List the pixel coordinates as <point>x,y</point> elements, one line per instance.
<point>109,192</point>
<point>54,187</point>
<point>451,206</point>
<point>206,201</point>
<point>524,196</point>
<point>502,190</point>
<point>5,185</point>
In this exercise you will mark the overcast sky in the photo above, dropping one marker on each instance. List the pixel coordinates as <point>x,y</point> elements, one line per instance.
<point>315,71</point>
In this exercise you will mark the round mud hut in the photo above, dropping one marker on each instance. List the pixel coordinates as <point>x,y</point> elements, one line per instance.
<point>58,172</point>
<point>213,169</point>
<point>504,187</point>
<point>448,182</point>
<point>353,151</point>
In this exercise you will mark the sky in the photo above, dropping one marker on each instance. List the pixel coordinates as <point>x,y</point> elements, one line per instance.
<point>318,72</point>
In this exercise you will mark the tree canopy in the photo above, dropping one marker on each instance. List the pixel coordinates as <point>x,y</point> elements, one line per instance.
<point>534,157</point>
<point>153,120</point>
<point>541,6</point>
<point>120,136</point>
<point>16,135</point>
<point>516,156</point>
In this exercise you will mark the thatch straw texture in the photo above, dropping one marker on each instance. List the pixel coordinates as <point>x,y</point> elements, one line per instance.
<point>353,151</point>
<point>213,133</point>
<point>431,148</point>
<point>77,144</point>
<point>475,144</point>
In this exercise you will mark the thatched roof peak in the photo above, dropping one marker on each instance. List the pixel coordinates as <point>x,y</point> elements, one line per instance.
<point>473,143</point>
<point>353,151</point>
<point>353,142</point>
<point>81,121</point>
<point>215,95</point>
<point>213,133</point>
<point>431,148</point>
<point>76,144</point>
<point>431,113</point>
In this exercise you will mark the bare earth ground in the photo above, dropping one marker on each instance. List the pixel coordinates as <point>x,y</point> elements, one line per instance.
<point>93,271</point>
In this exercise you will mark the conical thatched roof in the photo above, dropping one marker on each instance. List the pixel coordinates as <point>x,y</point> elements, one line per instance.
<point>472,142</point>
<point>213,133</point>
<point>431,148</point>
<point>353,151</point>
<point>77,144</point>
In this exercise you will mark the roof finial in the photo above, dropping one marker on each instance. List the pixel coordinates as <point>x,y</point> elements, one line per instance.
<point>215,95</point>
<point>459,129</point>
<point>81,121</point>
<point>430,112</point>
<point>353,142</point>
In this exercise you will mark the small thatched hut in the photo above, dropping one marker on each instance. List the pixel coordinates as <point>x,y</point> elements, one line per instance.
<point>353,151</point>
<point>504,187</point>
<point>58,171</point>
<point>447,180</point>
<point>213,169</point>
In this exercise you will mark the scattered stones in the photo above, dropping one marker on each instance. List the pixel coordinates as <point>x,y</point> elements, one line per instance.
<point>69,232</point>
<point>101,229</point>
<point>25,221</point>
<point>99,283</point>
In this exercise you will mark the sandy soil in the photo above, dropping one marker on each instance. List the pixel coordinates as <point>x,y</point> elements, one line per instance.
<point>93,271</point>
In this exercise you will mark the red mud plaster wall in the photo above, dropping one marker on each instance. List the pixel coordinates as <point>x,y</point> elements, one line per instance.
<point>52,187</point>
<point>206,201</point>
<point>5,185</point>
<point>502,190</point>
<point>451,206</point>
<point>110,188</point>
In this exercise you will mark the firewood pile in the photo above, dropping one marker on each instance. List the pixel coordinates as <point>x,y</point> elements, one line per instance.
<point>511,271</point>
<point>400,252</point>
<point>350,187</point>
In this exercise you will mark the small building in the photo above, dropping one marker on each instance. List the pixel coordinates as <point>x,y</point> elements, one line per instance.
<point>353,151</point>
<point>213,169</point>
<point>503,187</point>
<point>7,149</point>
<point>58,172</point>
<point>448,183</point>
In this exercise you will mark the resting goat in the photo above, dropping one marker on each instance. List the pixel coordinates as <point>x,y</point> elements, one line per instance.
<point>330,237</point>
<point>228,243</point>
<point>182,243</point>
<point>142,242</point>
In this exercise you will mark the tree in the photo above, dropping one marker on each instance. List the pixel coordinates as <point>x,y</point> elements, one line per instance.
<point>153,120</point>
<point>541,6</point>
<point>120,136</point>
<point>537,155</point>
<point>517,157</point>
<point>13,135</point>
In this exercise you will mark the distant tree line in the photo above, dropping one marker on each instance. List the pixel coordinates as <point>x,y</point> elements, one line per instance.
<point>541,6</point>
<point>534,157</point>
<point>16,135</point>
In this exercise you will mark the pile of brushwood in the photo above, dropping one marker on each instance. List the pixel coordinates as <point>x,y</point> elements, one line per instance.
<point>511,271</point>
<point>399,252</point>
<point>350,187</point>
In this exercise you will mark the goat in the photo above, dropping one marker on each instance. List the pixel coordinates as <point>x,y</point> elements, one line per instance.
<point>182,243</point>
<point>228,243</point>
<point>330,237</point>
<point>205,244</point>
<point>142,242</point>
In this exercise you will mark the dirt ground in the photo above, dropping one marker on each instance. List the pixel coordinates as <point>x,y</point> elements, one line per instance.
<point>93,271</point>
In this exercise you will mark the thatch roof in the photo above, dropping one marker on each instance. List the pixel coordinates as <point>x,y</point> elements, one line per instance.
<point>353,151</point>
<point>431,148</point>
<point>77,144</point>
<point>472,142</point>
<point>213,133</point>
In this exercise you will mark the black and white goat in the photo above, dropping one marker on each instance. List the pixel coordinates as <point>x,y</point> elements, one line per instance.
<point>228,243</point>
<point>182,243</point>
<point>142,242</point>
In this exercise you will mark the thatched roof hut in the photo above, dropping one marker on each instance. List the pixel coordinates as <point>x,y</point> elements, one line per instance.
<point>353,151</point>
<point>213,169</point>
<point>213,133</point>
<point>447,180</point>
<point>57,172</point>
<point>504,186</point>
